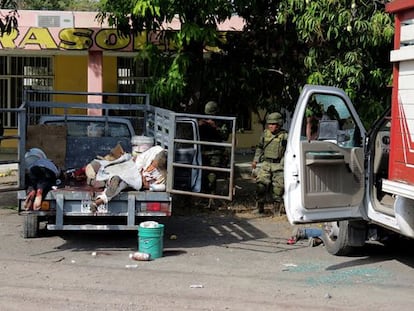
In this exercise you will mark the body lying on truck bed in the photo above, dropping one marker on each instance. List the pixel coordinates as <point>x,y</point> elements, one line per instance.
<point>73,140</point>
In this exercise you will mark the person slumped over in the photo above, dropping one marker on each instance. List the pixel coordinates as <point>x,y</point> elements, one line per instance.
<point>42,176</point>
<point>146,171</point>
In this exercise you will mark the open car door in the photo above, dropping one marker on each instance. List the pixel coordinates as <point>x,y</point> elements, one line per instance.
<point>324,159</point>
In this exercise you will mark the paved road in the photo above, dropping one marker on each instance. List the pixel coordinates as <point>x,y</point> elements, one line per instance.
<point>237,262</point>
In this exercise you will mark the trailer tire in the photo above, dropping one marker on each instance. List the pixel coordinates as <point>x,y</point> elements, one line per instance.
<point>31,226</point>
<point>341,237</point>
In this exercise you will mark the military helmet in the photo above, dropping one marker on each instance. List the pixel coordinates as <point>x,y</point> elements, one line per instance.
<point>211,108</point>
<point>274,118</point>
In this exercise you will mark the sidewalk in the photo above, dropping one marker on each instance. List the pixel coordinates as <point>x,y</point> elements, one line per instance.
<point>5,168</point>
<point>7,155</point>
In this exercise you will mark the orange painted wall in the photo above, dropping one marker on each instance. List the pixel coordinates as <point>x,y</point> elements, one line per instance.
<point>110,74</point>
<point>71,73</point>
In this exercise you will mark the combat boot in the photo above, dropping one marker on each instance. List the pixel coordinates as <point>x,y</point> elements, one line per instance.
<point>278,209</point>
<point>259,208</point>
<point>282,208</point>
<point>211,204</point>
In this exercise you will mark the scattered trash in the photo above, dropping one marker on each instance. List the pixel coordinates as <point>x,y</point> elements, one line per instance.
<point>313,234</point>
<point>290,265</point>
<point>73,261</point>
<point>328,296</point>
<point>291,241</point>
<point>139,256</point>
<point>59,259</point>
<point>131,266</point>
<point>196,286</point>
<point>93,254</point>
<point>173,237</point>
<point>314,242</point>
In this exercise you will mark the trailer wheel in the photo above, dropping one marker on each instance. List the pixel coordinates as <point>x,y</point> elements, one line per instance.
<point>335,236</point>
<point>31,226</point>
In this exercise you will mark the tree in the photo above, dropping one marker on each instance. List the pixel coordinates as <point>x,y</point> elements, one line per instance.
<point>8,20</point>
<point>347,45</point>
<point>59,5</point>
<point>178,73</point>
<point>44,4</point>
<point>287,43</point>
<point>260,67</point>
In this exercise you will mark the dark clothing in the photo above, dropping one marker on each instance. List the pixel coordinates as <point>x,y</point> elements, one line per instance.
<point>212,131</point>
<point>42,175</point>
<point>212,155</point>
<point>41,178</point>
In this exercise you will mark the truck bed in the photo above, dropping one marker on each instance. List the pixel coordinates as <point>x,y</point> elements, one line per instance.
<point>70,207</point>
<point>72,137</point>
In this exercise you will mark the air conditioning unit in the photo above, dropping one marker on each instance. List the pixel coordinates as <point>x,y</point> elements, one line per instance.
<point>56,20</point>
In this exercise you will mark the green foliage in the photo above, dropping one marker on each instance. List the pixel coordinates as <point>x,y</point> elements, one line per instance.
<point>59,5</point>
<point>8,20</point>
<point>177,75</point>
<point>285,44</point>
<point>259,67</point>
<point>347,45</point>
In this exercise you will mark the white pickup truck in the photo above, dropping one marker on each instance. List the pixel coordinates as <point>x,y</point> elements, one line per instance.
<point>338,178</point>
<point>361,185</point>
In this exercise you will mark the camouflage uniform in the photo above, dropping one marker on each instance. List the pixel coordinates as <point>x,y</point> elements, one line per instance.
<point>211,155</point>
<point>270,153</point>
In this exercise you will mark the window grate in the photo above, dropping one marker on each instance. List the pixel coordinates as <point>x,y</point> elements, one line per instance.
<point>18,73</point>
<point>132,77</point>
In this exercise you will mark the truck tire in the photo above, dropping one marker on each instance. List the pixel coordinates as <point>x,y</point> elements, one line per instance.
<point>336,237</point>
<point>31,226</point>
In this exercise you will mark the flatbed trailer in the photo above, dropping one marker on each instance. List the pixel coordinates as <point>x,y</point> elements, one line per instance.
<point>68,207</point>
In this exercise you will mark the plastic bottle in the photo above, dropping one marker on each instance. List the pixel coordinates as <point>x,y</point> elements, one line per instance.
<point>140,256</point>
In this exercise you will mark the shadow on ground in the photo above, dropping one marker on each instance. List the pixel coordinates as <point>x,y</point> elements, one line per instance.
<point>180,232</point>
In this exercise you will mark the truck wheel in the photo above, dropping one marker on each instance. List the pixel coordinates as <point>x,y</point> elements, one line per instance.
<point>335,236</point>
<point>31,226</point>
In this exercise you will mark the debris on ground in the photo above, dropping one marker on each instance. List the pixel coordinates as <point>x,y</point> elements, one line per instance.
<point>312,234</point>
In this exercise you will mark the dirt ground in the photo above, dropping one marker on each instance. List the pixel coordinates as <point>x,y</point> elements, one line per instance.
<point>228,259</point>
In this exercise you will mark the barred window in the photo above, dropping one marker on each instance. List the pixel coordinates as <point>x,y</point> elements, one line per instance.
<point>18,73</point>
<point>132,76</point>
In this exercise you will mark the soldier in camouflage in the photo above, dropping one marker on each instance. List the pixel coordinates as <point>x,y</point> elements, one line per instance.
<point>211,131</point>
<point>270,153</point>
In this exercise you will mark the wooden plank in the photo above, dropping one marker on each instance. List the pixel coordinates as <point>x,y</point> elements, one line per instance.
<point>51,139</point>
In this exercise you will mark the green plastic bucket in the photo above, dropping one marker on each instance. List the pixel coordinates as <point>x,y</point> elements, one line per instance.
<point>150,240</point>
